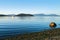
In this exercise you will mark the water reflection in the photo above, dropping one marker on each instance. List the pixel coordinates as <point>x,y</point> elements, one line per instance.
<point>14,24</point>
<point>23,18</point>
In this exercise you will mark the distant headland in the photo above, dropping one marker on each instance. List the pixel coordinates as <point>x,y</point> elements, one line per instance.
<point>21,14</point>
<point>46,15</point>
<point>2,15</point>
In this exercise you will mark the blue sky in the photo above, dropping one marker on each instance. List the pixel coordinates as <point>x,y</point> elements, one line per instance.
<point>29,6</point>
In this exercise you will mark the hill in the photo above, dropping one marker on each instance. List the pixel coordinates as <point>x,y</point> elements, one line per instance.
<point>22,14</point>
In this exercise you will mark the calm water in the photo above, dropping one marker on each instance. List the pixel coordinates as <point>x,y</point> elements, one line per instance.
<point>20,25</point>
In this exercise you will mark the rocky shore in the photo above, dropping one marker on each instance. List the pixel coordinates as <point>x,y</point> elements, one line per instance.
<point>53,34</point>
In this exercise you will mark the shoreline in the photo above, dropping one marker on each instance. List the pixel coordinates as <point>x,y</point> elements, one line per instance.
<point>48,34</point>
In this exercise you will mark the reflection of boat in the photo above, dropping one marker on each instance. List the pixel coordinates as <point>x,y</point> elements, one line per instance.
<point>52,24</point>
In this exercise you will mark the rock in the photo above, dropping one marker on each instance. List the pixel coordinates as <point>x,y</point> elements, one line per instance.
<point>52,24</point>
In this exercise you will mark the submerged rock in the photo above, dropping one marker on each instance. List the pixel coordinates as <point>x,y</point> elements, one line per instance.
<point>53,24</point>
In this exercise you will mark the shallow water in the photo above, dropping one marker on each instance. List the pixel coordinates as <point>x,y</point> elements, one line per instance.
<point>20,25</point>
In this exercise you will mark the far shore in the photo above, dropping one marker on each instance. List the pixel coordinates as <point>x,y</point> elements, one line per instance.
<point>24,14</point>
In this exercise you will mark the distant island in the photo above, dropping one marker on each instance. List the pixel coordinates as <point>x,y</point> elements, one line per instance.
<point>22,14</point>
<point>46,15</point>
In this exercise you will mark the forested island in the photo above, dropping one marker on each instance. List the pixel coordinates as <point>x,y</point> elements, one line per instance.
<point>22,14</point>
